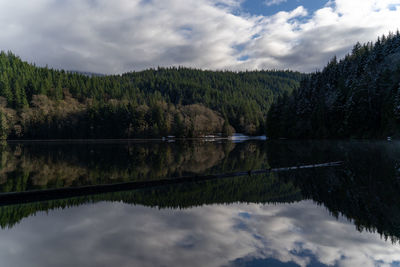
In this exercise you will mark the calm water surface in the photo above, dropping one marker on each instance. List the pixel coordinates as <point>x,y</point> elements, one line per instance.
<point>335,216</point>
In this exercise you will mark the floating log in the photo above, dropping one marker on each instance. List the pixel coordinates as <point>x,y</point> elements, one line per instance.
<point>62,193</point>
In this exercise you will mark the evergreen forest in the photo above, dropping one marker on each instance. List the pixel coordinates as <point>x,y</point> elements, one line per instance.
<point>42,103</point>
<point>355,97</point>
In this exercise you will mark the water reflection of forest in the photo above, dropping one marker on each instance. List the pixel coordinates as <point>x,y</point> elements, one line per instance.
<point>364,189</point>
<point>27,166</point>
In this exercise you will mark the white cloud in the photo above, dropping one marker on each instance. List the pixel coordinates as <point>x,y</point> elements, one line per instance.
<point>116,234</point>
<point>123,35</point>
<point>274,2</point>
<point>291,41</point>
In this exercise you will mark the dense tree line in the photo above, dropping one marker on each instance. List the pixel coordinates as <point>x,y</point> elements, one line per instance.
<point>357,97</point>
<point>38,102</point>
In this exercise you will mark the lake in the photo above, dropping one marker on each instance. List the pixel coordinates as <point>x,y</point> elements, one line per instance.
<point>342,215</point>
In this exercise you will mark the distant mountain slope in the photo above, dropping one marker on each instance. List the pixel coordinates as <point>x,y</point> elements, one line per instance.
<point>358,97</point>
<point>89,74</point>
<point>44,103</point>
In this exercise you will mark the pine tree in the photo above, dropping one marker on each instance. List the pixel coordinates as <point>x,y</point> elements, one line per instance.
<point>3,126</point>
<point>226,128</point>
<point>5,89</point>
<point>396,104</point>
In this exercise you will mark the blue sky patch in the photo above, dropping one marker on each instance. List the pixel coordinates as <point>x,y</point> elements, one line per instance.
<point>393,7</point>
<point>243,58</point>
<point>245,215</point>
<point>260,8</point>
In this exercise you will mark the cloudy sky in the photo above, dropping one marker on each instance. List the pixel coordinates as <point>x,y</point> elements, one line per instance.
<point>123,35</point>
<point>117,234</point>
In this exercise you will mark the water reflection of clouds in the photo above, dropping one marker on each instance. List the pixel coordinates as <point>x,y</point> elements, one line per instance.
<point>116,234</point>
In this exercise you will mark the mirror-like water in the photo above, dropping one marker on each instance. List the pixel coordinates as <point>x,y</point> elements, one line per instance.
<point>347,215</point>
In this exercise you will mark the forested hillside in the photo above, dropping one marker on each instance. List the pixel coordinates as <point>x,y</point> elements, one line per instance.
<point>44,103</point>
<point>357,97</point>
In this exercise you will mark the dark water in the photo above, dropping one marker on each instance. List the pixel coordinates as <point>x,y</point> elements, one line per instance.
<point>347,215</point>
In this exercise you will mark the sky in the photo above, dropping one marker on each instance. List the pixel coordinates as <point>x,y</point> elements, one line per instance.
<point>117,234</point>
<point>118,36</point>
